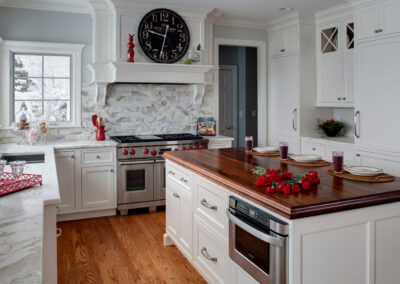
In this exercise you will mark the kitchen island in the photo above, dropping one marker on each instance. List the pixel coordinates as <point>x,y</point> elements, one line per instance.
<point>340,231</point>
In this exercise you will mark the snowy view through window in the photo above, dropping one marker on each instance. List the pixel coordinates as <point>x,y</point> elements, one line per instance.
<point>42,87</point>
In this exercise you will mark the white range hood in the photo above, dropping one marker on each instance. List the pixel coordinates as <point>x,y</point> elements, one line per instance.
<point>115,20</point>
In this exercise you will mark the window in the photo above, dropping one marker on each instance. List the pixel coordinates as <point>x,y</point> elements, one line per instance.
<point>42,87</point>
<point>44,82</point>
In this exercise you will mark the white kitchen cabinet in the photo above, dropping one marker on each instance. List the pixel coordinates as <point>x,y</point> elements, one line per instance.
<point>284,42</point>
<point>219,142</point>
<point>97,187</point>
<point>87,182</point>
<point>65,162</point>
<point>211,255</point>
<point>388,162</point>
<point>377,19</point>
<point>240,276</point>
<point>179,216</point>
<point>377,94</point>
<point>335,61</point>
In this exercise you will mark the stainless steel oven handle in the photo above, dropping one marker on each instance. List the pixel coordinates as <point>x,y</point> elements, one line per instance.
<point>135,163</point>
<point>260,235</point>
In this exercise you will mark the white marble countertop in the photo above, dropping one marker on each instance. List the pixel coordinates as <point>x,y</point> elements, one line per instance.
<point>21,213</point>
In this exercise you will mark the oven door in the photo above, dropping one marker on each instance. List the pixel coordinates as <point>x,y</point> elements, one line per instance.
<point>135,181</point>
<point>257,250</point>
<point>159,180</point>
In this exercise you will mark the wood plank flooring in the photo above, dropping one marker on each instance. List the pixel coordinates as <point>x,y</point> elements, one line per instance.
<point>120,249</point>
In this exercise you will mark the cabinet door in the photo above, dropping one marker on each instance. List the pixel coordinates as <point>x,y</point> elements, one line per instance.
<point>291,41</point>
<point>284,96</point>
<point>186,223</point>
<point>240,276</point>
<point>276,43</point>
<point>367,21</point>
<point>378,98</point>
<point>65,162</point>
<point>389,163</point>
<point>98,190</point>
<point>390,20</point>
<point>172,210</point>
<point>331,65</point>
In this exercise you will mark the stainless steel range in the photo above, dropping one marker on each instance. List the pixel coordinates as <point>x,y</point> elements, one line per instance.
<point>141,167</point>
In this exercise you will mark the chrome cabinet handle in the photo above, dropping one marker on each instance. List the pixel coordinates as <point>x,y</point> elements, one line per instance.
<point>72,157</point>
<point>171,173</point>
<point>293,119</point>
<point>339,99</point>
<point>378,31</point>
<point>344,98</point>
<point>314,149</point>
<point>176,195</point>
<point>282,50</point>
<point>358,155</point>
<point>206,255</point>
<point>59,232</point>
<point>205,204</point>
<point>112,170</point>
<point>184,180</point>
<point>98,157</point>
<point>356,120</point>
<point>228,127</point>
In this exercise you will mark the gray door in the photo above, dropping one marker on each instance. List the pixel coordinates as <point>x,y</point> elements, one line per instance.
<point>228,101</point>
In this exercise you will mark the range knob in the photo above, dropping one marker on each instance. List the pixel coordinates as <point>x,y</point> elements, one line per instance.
<point>183,148</point>
<point>125,153</point>
<point>146,151</point>
<point>203,147</point>
<point>154,153</point>
<point>133,152</point>
<point>190,148</point>
<point>196,148</point>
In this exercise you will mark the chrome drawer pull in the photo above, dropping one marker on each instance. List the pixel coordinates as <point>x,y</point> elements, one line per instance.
<point>184,180</point>
<point>206,255</point>
<point>314,149</point>
<point>98,157</point>
<point>176,195</point>
<point>205,204</point>
<point>282,50</point>
<point>171,173</point>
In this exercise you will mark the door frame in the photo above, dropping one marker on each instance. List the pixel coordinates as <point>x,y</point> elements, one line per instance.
<point>262,99</point>
<point>235,99</point>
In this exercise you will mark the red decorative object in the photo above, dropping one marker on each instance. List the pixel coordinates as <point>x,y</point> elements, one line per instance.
<point>9,184</point>
<point>131,51</point>
<point>100,133</point>
<point>285,182</point>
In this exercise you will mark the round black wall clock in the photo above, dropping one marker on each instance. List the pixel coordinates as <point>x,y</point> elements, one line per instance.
<point>163,36</point>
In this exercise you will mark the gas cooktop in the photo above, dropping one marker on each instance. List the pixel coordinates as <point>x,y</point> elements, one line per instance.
<point>153,138</point>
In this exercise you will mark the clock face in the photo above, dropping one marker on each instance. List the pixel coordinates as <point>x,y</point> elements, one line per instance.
<point>163,36</point>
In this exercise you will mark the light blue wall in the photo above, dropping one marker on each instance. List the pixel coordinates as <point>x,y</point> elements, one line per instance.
<point>49,26</point>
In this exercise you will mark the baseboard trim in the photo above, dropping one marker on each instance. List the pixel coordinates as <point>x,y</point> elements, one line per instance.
<point>86,215</point>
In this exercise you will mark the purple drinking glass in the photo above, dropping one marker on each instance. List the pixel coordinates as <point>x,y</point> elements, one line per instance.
<point>337,161</point>
<point>284,150</point>
<point>249,143</point>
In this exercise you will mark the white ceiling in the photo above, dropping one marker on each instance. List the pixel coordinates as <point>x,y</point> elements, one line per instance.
<point>256,12</point>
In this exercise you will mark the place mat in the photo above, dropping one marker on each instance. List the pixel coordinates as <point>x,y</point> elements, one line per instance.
<point>273,154</point>
<point>347,175</point>
<point>320,163</point>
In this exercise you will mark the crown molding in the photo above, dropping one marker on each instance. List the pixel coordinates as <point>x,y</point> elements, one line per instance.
<point>360,2</point>
<point>47,6</point>
<point>345,9</point>
<point>212,16</point>
<point>240,24</point>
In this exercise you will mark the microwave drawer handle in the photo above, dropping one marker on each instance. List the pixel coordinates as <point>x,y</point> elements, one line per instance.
<point>260,235</point>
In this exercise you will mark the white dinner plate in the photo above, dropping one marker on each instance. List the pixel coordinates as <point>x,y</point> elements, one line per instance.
<point>306,158</point>
<point>266,149</point>
<point>363,171</point>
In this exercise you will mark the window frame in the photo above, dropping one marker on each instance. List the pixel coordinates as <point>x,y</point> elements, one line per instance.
<point>7,51</point>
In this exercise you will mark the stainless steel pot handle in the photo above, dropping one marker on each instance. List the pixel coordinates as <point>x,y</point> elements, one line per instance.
<point>206,255</point>
<point>356,121</point>
<point>260,235</point>
<point>205,204</point>
<point>293,119</point>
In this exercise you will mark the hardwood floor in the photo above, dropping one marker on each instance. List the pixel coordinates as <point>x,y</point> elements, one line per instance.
<point>120,249</point>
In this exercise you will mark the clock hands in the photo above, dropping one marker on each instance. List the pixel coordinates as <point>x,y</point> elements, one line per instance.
<point>156,33</point>
<point>165,36</point>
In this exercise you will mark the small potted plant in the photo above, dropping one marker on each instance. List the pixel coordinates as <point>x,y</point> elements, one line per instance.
<point>331,127</point>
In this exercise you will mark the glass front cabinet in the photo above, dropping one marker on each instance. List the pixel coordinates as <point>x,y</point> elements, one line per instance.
<point>335,63</point>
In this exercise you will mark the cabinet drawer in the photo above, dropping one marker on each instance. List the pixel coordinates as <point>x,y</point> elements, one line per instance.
<point>97,156</point>
<point>314,148</point>
<point>220,144</point>
<point>211,256</point>
<point>179,175</point>
<point>211,204</point>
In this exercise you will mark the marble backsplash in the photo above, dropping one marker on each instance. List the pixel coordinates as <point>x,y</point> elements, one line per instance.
<point>138,109</point>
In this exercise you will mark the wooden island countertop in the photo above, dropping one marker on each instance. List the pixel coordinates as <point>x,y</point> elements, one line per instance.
<point>231,168</point>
